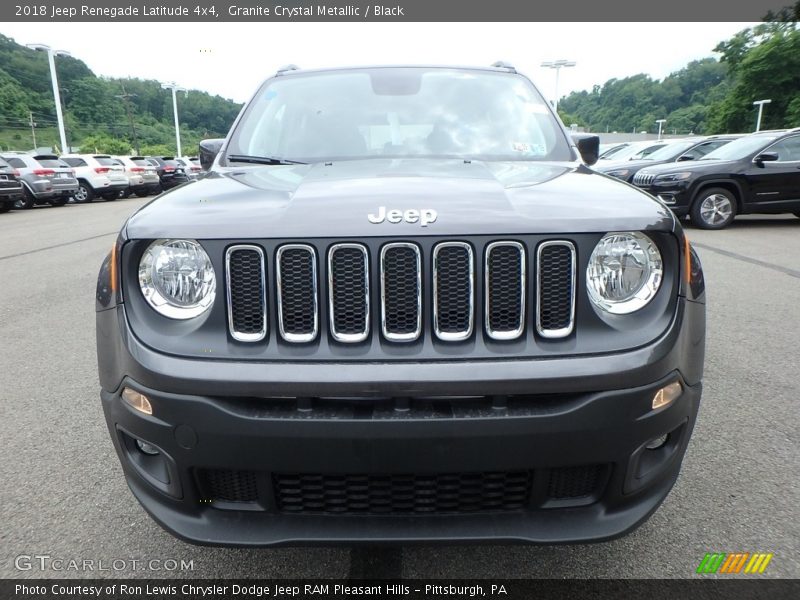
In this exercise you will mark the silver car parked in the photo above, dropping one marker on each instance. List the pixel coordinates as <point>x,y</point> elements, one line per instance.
<point>46,179</point>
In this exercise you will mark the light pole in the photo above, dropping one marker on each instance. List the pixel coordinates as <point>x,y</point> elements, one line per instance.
<point>760,104</point>
<point>175,88</point>
<point>660,124</point>
<point>557,64</point>
<point>51,54</point>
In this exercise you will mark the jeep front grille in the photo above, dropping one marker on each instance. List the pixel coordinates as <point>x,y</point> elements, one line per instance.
<point>401,291</point>
<point>247,298</point>
<point>505,290</point>
<point>555,306</point>
<point>296,282</point>
<point>453,291</point>
<point>348,287</point>
<point>435,287</point>
<point>643,179</point>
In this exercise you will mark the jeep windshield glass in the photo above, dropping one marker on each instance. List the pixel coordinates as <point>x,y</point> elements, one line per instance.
<point>399,113</point>
<point>740,148</point>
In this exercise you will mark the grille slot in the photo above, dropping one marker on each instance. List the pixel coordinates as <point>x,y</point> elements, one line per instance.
<point>348,284</point>
<point>555,308</point>
<point>247,299</point>
<point>402,494</point>
<point>505,290</point>
<point>228,485</point>
<point>296,280</point>
<point>568,483</point>
<point>401,292</point>
<point>453,291</point>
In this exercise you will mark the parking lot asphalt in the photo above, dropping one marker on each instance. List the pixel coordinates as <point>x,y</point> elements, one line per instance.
<point>63,494</point>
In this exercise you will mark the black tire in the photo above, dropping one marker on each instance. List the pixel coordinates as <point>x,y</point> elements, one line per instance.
<point>713,208</point>
<point>85,193</point>
<point>27,201</point>
<point>5,207</point>
<point>59,202</point>
<point>111,196</point>
<point>125,194</point>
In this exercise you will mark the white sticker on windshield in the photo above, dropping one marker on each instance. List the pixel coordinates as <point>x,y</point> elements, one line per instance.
<point>521,147</point>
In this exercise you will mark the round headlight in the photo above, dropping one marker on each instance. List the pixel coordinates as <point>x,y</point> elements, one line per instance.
<point>177,278</point>
<point>624,272</point>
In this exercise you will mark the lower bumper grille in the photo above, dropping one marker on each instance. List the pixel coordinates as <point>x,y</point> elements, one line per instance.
<point>402,494</point>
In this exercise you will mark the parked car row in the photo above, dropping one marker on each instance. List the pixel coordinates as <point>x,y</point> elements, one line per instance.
<point>30,179</point>
<point>715,178</point>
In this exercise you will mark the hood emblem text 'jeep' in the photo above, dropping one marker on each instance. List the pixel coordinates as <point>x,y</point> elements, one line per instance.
<point>423,216</point>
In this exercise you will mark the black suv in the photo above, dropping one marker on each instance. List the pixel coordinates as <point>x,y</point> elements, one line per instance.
<point>675,151</point>
<point>758,173</point>
<point>170,172</point>
<point>400,307</point>
<point>10,187</point>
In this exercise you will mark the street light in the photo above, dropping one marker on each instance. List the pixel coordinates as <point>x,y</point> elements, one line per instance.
<point>557,64</point>
<point>51,54</point>
<point>660,124</point>
<point>760,104</point>
<point>175,88</point>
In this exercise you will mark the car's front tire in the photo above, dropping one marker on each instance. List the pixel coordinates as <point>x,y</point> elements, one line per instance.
<point>6,206</point>
<point>713,208</point>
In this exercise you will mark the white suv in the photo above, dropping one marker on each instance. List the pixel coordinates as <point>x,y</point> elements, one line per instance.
<point>98,175</point>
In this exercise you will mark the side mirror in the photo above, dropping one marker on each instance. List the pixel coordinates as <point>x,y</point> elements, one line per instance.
<point>588,146</point>
<point>765,157</point>
<point>684,158</point>
<point>208,152</point>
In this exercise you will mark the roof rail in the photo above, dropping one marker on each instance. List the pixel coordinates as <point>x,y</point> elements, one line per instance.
<point>501,64</point>
<point>287,68</point>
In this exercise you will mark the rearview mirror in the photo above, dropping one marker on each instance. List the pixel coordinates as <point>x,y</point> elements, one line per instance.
<point>765,157</point>
<point>208,152</point>
<point>588,146</point>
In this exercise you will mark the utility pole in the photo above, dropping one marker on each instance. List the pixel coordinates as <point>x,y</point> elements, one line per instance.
<point>125,97</point>
<point>760,104</point>
<point>51,54</point>
<point>660,124</point>
<point>557,65</point>
<point>175,88</point>
<point>33,129</point>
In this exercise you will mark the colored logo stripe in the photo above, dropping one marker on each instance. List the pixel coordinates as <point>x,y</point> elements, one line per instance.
<point>721,562</point>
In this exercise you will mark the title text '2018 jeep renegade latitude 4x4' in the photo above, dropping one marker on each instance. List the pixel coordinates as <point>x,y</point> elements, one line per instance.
<point>399,307</point>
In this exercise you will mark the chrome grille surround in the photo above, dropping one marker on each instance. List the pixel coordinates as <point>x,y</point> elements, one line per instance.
<point>348,338</point>
<point>452,336</point>
<point>560,332</point>
<point>287,335</point>
<point>239,335</point>
<point>394,336</point>
<point>516,332</point>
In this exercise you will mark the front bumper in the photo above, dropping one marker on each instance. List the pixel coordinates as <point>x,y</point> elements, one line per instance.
<point>549,419</point>
<point>673,194</point>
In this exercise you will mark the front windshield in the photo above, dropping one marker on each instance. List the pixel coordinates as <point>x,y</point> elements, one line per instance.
<point>670,151</point>
<point>740,148</point>
<point>399,113</point>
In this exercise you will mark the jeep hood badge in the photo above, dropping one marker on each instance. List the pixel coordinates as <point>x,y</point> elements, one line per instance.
<point>423,216</point>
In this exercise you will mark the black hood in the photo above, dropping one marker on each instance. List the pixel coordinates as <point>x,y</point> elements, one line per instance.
<point>699,167</point>
<point>333,200</point>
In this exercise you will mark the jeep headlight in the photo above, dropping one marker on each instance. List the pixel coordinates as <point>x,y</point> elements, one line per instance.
<point>177,278</point>
<point>673,176</point>
<point>624,273</point>
<point>619,173</point>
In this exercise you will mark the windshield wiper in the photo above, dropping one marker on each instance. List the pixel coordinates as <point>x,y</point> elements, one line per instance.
<point>262,160</point>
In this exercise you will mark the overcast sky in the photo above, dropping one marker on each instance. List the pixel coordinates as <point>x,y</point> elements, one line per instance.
<point>231,59</point>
